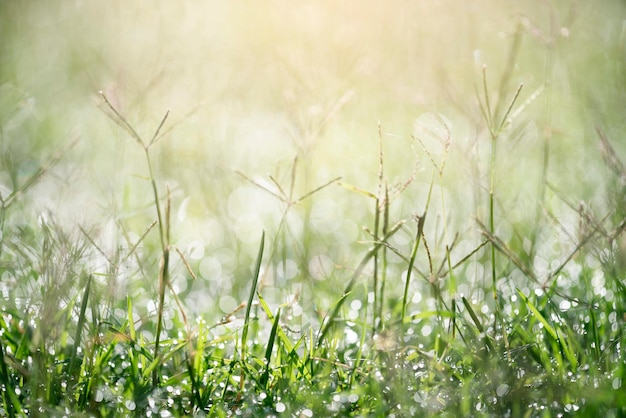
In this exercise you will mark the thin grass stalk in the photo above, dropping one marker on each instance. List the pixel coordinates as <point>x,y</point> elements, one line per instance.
<point>157,201</point>
<point>383,278</point>
<point>164,226</point>
<point>505,119</point>
<point>487,111</point>
<point>492,228</point>
<point>421,220</point>
<point>407,280</point>
<point>596,336</point>
<point>375,259</point>
<point>164,278</point>
<point>255,281</point>
<point>377,214</point>
<point>476,321</point>
<point>196,398</point>
<point>495,132</point>
<point>452,287</point>
<point>451,278</point>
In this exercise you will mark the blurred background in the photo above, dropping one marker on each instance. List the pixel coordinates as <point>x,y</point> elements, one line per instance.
<point>304,93</point>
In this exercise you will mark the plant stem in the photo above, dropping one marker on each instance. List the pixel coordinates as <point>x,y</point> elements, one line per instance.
<point>492,217</point>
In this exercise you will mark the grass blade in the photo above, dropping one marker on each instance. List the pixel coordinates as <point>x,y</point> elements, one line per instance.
<point>269,348</point>
<point>421,220</point>
<point>503,122</point>
<point>255,281</point>
<point>287,345</point>
<point>538,315</point>
<point>567,350</point>
<point>476,321</point>
<point>81,324</point>
<point>9,397</point>
<point>472,314</point>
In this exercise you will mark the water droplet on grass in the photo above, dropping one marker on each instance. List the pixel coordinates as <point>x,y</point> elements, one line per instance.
<point>502,389</point>
<point>617,383</point>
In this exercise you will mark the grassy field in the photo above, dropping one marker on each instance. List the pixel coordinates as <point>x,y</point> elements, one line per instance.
<point>323,209</point>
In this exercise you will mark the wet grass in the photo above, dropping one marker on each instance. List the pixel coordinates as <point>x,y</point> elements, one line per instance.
<point>474,266</point>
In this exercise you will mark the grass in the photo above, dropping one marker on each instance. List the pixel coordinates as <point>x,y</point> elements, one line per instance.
<point>465,268</point>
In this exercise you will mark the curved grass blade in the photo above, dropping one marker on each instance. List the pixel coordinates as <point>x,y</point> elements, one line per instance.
<point>269,348</point>
<point>81,323</point>
<point>538,315</point>
<point>287,345</point>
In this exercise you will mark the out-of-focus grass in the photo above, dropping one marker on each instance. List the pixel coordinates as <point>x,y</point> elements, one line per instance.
<point>268,105</point>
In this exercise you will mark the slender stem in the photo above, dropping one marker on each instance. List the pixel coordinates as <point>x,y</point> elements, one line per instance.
<point>491,213</point>
<point>488,114</point>
<point>163,267</point>
<point>163,280</point>
<point>380,202</point>
<point>375,269</point>
<point>421,220</point>
<point>155,192</point>
<point>383,277</point>
<point>164,224</point>
<point>8,395</point>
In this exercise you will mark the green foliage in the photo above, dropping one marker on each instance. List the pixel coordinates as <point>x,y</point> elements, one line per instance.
<point>441,282</point>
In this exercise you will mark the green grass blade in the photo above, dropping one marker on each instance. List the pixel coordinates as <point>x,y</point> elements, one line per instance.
<point>421,221</point>
<point>255,281</point>
<point>285,341</point>
<point>330,319</point>
<point>472,314</point>
<point>596,336</point>
<point>476,321</point>
<point>538,315</point>
<point>131,319</point>
<point>269,348</point>
<point>81,324</point>
<point>540,356</point>
<point>430,314</point>
<point>487,109</point>
<point>10,399</point>
<point>503,122</point>
<point>567,350</point>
